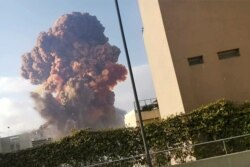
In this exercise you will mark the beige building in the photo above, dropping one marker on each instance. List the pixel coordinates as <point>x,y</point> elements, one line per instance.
<point>131,119</point>
<point>149,111</point>
<point>198,51</point>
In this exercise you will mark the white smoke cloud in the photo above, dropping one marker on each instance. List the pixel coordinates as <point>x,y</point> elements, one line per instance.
<point>16,107</point>
<point>14,85</point>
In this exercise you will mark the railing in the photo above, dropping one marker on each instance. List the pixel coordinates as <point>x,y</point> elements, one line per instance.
<point>136,161</point>
<point>206,149</point>
<point>147,104</point>
<point>165,157</point>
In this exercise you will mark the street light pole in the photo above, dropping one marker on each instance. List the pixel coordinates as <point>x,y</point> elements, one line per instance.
<point>133,85</point>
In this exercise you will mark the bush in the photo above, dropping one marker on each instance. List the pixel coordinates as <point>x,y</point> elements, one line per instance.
<point>215,121</point>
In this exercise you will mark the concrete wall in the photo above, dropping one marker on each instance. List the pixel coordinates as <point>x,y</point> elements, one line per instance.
<point>189,28</point>
<point>132,118</point>
<point>1,149</point>
<point>233,160</point>
<point>196,27</point>
<point>15,143</point>
<point>160,60</point>
<point>148,116</point>
<point>5,145</point>
<point>25,141</point>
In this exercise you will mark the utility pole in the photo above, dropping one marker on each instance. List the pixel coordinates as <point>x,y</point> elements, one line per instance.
<point>133,86</point>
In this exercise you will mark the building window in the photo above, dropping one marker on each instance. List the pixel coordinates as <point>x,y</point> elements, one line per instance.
<point>195,60</point>
<point>228,53</point>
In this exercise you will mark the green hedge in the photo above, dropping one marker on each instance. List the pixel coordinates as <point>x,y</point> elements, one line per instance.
<point>215,121</point>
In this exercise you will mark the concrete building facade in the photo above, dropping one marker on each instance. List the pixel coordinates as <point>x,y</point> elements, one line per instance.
<point>23,141</point>
<point>149,109</point>
<point>197,50</point>
<point>15,143</point>
<point>132,118</point>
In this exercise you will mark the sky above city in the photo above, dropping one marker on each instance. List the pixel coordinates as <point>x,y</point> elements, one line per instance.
<point>22,21</point>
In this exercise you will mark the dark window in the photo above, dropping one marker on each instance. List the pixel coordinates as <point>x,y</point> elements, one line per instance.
<point>195,60</point>
<point>229,53</point>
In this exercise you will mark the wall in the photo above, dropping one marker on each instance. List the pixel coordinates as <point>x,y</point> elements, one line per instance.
<point>148,116</point>
<point>175,30</point>
<point>196,27</point>
<point>160,60</point>
<point>233,160</point>
<point>132,118</point>
<point>25,141</point>
<point>5,145</point>
<point>1,149</point>
<point>18,142</point>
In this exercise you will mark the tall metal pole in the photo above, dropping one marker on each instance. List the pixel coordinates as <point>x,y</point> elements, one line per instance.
<point>133,86</point>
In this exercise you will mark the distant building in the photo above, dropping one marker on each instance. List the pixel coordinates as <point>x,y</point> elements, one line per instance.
<point>1,149</point>
<point>149,111</point>
<point>15,143</point>
<point>40,142</point>
<point>38,138</point>
<point>198,51</point>
<point>22,141</point>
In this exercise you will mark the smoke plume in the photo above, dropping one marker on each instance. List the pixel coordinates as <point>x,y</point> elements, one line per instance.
<point>77,68</point>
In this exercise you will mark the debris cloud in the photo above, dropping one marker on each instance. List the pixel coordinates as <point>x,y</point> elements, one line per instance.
<point>77,68</point>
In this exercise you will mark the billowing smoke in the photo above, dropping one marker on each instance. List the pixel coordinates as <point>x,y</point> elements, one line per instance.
<point>77,68</point>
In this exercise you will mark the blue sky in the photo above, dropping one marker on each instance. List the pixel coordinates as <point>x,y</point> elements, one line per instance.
<point>20,23</point>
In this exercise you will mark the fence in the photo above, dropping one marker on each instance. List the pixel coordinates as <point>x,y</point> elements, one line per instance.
<point>165,157</point>
<point>147,104</point>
